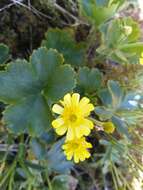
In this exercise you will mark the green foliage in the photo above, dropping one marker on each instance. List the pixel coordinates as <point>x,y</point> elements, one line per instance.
<point>98,12</point>
<point>26,86</point>
<point>64,42</point>
<point>61,182</point>
<point>31,155</point>
<point>113,153</point>
<point>115,102</point>
<point>120,41</point>
<point>4,53</point>
<point>38,149</point>
<point>89,80</point>
<point>56,159</point>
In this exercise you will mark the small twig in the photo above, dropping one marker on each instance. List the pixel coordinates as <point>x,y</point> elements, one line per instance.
<point>7,6</point>
<point>8,148</point>
<point>29,3</point>
<point>61,9</point>
<point>31,8</point>
<point>65,11</point>
<point>40,13</point>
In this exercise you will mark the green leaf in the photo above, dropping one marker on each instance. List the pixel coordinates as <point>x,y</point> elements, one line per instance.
<point>102,2</point>
<point>112,97</point>
<point>38,149</point>
<point>26,87</point>
<point>48,137</point>
<point>18,82</point>
<point>123,46</point>
<point>132,47</point>
<point>136,32</point>
<point>61,83</point>
<point>56,159</point>
<point>4,53</point>
<point>61,182</point>
<point>97,14</point>
<point>103,113</point>
<point>116,93</point>
<point>30,115</point>
<point>90,80</point>
<point>118,106</point>
<point>107,30</point>
<point>131,101</point>
<point>105,97</point>
<point>63,41</point>
<point>120,125</point>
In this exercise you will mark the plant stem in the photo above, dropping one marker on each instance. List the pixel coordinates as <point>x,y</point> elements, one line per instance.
<point>10,187</point>
<point>11,169</point>
<point>114,179</point>
<point>96,122</point>
<point>135,162</point>
<point>48,180</point>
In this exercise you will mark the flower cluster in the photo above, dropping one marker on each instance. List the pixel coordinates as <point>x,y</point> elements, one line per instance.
<point>73,120</point>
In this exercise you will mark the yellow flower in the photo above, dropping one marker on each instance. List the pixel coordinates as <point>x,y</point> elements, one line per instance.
<point>141,59</point>
<point>77,149</point>
<point>128,30</point>
<point>73,116</point>
<point>108,127</point>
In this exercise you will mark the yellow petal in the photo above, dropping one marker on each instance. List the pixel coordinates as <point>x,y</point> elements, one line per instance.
<point>87,154</point>
<point>76,158</point>
<point>57,122</point>
<point>108,127</point>
<point>61,130</point>
<point>84,101</point>
<point>57,109</point>
<point>88,145</point>
<point>88,123</point>
<point>64,147</point>
<point>89,108</point>
<point>79,132</point>
<point>84,130</point>
<point>141,61</point>
<point>75,99</point>
<point>86,109</point>
<point>70,134</point>
<point>82,157</point>
<point>69,155</point>
<point>67,100</point>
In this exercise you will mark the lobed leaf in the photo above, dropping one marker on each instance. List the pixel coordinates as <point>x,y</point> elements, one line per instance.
<point>31,115</point>
<point>115,102</point>
<point>38,149</point>
<point>57,160</point>
<point>27,86</point>
<point>89,80</point>
<point>123,46</point>
<point>64,42</point>
<point>116,93</point>
<point>97,12</point>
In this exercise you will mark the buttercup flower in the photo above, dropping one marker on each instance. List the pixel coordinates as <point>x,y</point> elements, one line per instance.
<point>108,127</point>
<point>73,116</point>
<point>77,149</point>
<point>141,59</point>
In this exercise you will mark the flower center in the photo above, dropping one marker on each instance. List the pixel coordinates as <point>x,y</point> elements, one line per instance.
<point>75,146</point>
<point>73,118</point>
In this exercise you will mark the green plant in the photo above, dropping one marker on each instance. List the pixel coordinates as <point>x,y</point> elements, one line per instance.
<point>31,153</point>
